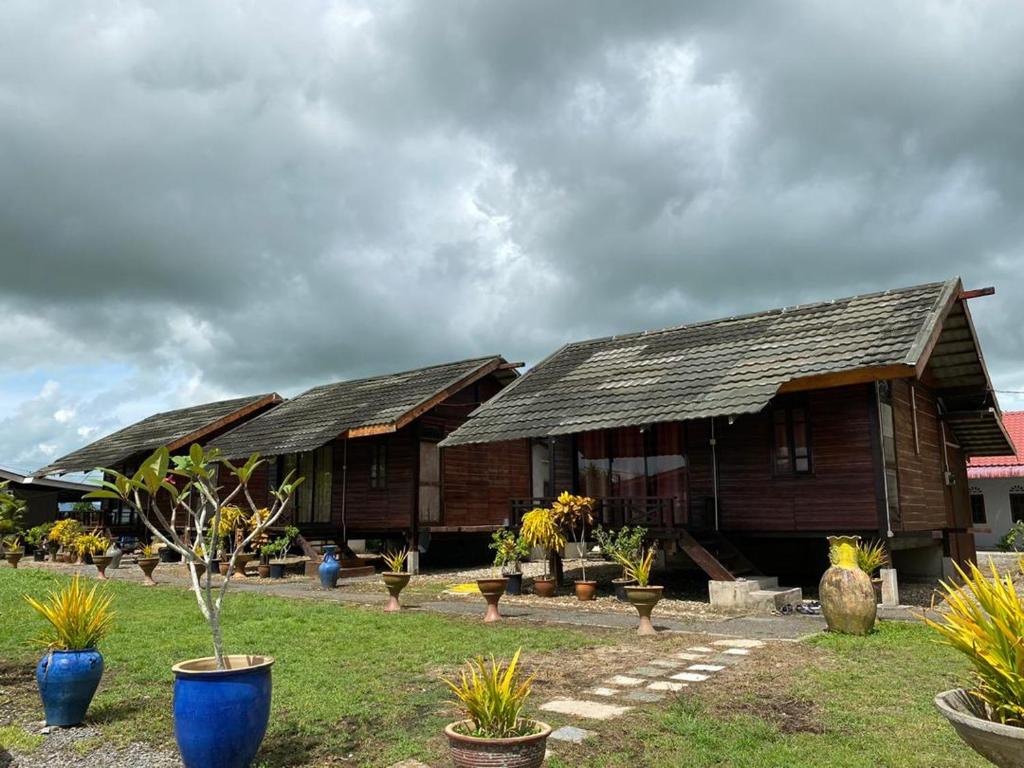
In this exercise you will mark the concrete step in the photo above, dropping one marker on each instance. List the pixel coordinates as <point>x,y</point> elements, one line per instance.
<point>773,599</point>
<point>758,593</point>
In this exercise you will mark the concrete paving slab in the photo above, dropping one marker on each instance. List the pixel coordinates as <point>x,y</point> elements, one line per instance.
<point>690,677</point>
<point>594,710</point>
<point>705,668</point>
<point>666,663</point>
<point>602,691</point>
<point>625,681</point>
<point>646,697</point>
<point>647,672</point>
<point>700,649</point>
<point>737,651</point>
<point>686,656</point>
<point>738,642</point>
<point>665,685</point>
<point>571,734</point>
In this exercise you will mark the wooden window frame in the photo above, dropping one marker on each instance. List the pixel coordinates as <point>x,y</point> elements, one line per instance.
<point>1016,495</point>
<point>379,466</point>
<point>976,494</point>
<point>787,407</point>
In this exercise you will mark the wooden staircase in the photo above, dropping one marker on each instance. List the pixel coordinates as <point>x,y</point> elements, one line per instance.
<point>717,556</point>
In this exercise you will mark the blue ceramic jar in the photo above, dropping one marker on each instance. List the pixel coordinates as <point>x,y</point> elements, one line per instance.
<point>329,568</point>
<point>67,682</point>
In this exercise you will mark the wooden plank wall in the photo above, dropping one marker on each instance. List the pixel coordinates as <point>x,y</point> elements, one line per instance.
<point>839,493</point>
<point>923,497</point>
<point>374,509</point>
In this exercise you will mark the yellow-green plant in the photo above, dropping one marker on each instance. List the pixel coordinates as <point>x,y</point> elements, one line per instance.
<point>573,514</point>
<point>539,529</point>
<point>64,532</point>
<point>396,559</point>
<point>637,568</point>
<point>12,544</point>
<point>147,551</point>
<point>90,544</point>
<point>493,696</point>
<point>985,622</point>
<point>78,618</point>
<point>871,556</point>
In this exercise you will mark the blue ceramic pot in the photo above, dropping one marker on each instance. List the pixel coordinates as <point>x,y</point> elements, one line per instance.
<point>329,568</point>
<point>67,682</point>
<point>220,716</point>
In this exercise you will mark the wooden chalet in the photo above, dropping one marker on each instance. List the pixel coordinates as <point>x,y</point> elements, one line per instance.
<point>177,430</point>
<point>368,450</point>
<point>742,442</point>
<point>43,495</point>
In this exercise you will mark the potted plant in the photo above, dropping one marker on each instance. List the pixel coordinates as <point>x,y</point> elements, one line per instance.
<point>871,556</point>
<point>573,514</point>
<point>494,732</point>
<point>230,529</point>
<point>64,533</point>
<point>984,620</point>
<point>626,541</point>
<point>641,594</point>
<point>206,688</point>
<point>36,538</point>
<point>394,577</point>
<point>266,551</point>
<point>90,548</point>
<point>277,550</point>
<point>13,551</point>
<point>509,553</point>
<point>147,561</point>
<point>70,671</point>
<point>539,529</point>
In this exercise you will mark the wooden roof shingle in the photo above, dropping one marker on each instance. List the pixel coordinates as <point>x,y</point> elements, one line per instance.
<point>380,403</point>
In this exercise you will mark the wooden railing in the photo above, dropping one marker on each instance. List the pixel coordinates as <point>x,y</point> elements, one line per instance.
<point>655,512</point>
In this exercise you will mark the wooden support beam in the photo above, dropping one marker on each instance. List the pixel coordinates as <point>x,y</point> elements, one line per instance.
<point>976,293</point>
<point>510,366</point>
<point>842,378</point>
<point>370,431</point>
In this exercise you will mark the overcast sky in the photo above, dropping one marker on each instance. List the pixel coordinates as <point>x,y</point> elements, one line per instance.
<point>200,200</point>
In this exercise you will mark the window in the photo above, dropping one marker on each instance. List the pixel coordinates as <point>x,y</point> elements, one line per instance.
<point>978,507</point>
<point>1017,503</point>
<point>379,466</point>
<point>887,425</point>
<point>791,448</point>
<point>632,463</point>
<point>313,498</point>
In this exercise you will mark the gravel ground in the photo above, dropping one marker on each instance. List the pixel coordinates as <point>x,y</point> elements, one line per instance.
<point>85,745</point>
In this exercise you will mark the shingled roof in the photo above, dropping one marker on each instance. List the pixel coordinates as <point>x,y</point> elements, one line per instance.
<point>353,408</point>
<point>731,366</point>
<point>171,428</point>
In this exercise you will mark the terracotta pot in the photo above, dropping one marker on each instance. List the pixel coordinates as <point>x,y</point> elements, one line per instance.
<point>102,562</point>
<point>243,559</point>
<point>586,590</point>
<point>12,558</point>
<point>263,569</point>
<point>148,565</point>
<point>395,582</point>
<point>223,566</point>
<point>544,587</point>
<point>518,752</point>
<point>492,590</point>
<point>846,595</point>
<point>644,599</point>
<point>1001,745</point>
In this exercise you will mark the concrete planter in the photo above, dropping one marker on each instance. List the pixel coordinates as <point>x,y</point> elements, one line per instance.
<point>13,558</point>
<point>395,583</point>
<point>644,599</point>
<point>492,590</point>
<point>518,752</point>
<point>1001,745</point>
<point>102,562</point>
<point>148,565</point>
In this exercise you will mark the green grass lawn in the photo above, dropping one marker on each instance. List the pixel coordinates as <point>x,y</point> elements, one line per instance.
<point>352,680</point>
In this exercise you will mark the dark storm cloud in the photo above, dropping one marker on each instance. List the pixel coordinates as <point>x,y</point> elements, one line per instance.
<point>229,198</point>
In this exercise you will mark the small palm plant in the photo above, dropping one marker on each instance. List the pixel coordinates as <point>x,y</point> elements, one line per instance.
<point>78,618</point>
<point>395,560</point>
<point>871,556</point>
<point>493,696</point>
<point>985,622</point>
<point>637,567</point>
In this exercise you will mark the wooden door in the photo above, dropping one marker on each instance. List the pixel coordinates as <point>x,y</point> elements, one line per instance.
<point>430,482</point>
<point>961,540</point>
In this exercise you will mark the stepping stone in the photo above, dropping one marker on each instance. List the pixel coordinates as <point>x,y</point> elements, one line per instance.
<point>705,668</point>
<point>690,656</point>
<point>645,696</point>
<point>414,763</point>
<point>737,651</point>
<point>571,734</point>
<point>666,663</point>
<point>591,709</point>
<point>624,680</point>
<point>701,649</point>
<point>738,643</point>
<point>647,671</point>
<point>665,685</point>
<point>690,677</point>
<point>604,691</point>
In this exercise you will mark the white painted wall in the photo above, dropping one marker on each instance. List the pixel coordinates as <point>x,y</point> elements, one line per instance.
<point>997,509</point>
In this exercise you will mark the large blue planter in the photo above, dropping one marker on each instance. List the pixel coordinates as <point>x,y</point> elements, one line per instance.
<point>67,682</point>
<point>329,568</point>
<point>220,716</point>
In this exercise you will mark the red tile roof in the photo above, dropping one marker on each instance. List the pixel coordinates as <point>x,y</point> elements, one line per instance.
<point>1002,466</point>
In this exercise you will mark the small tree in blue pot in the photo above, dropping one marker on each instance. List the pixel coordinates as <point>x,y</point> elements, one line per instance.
<point>71,669</point>
<point>181,500</point>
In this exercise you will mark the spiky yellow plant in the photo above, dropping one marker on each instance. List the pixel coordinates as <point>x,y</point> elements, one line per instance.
<point>90,543</point>
<point>985,622</point>
<point>493,696</point>
<point>396,560</point>
<point>638,568</point>
<point>78,618</point>
<point>871,556</point>
<point>540,529</point>
<point>65,531</point>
